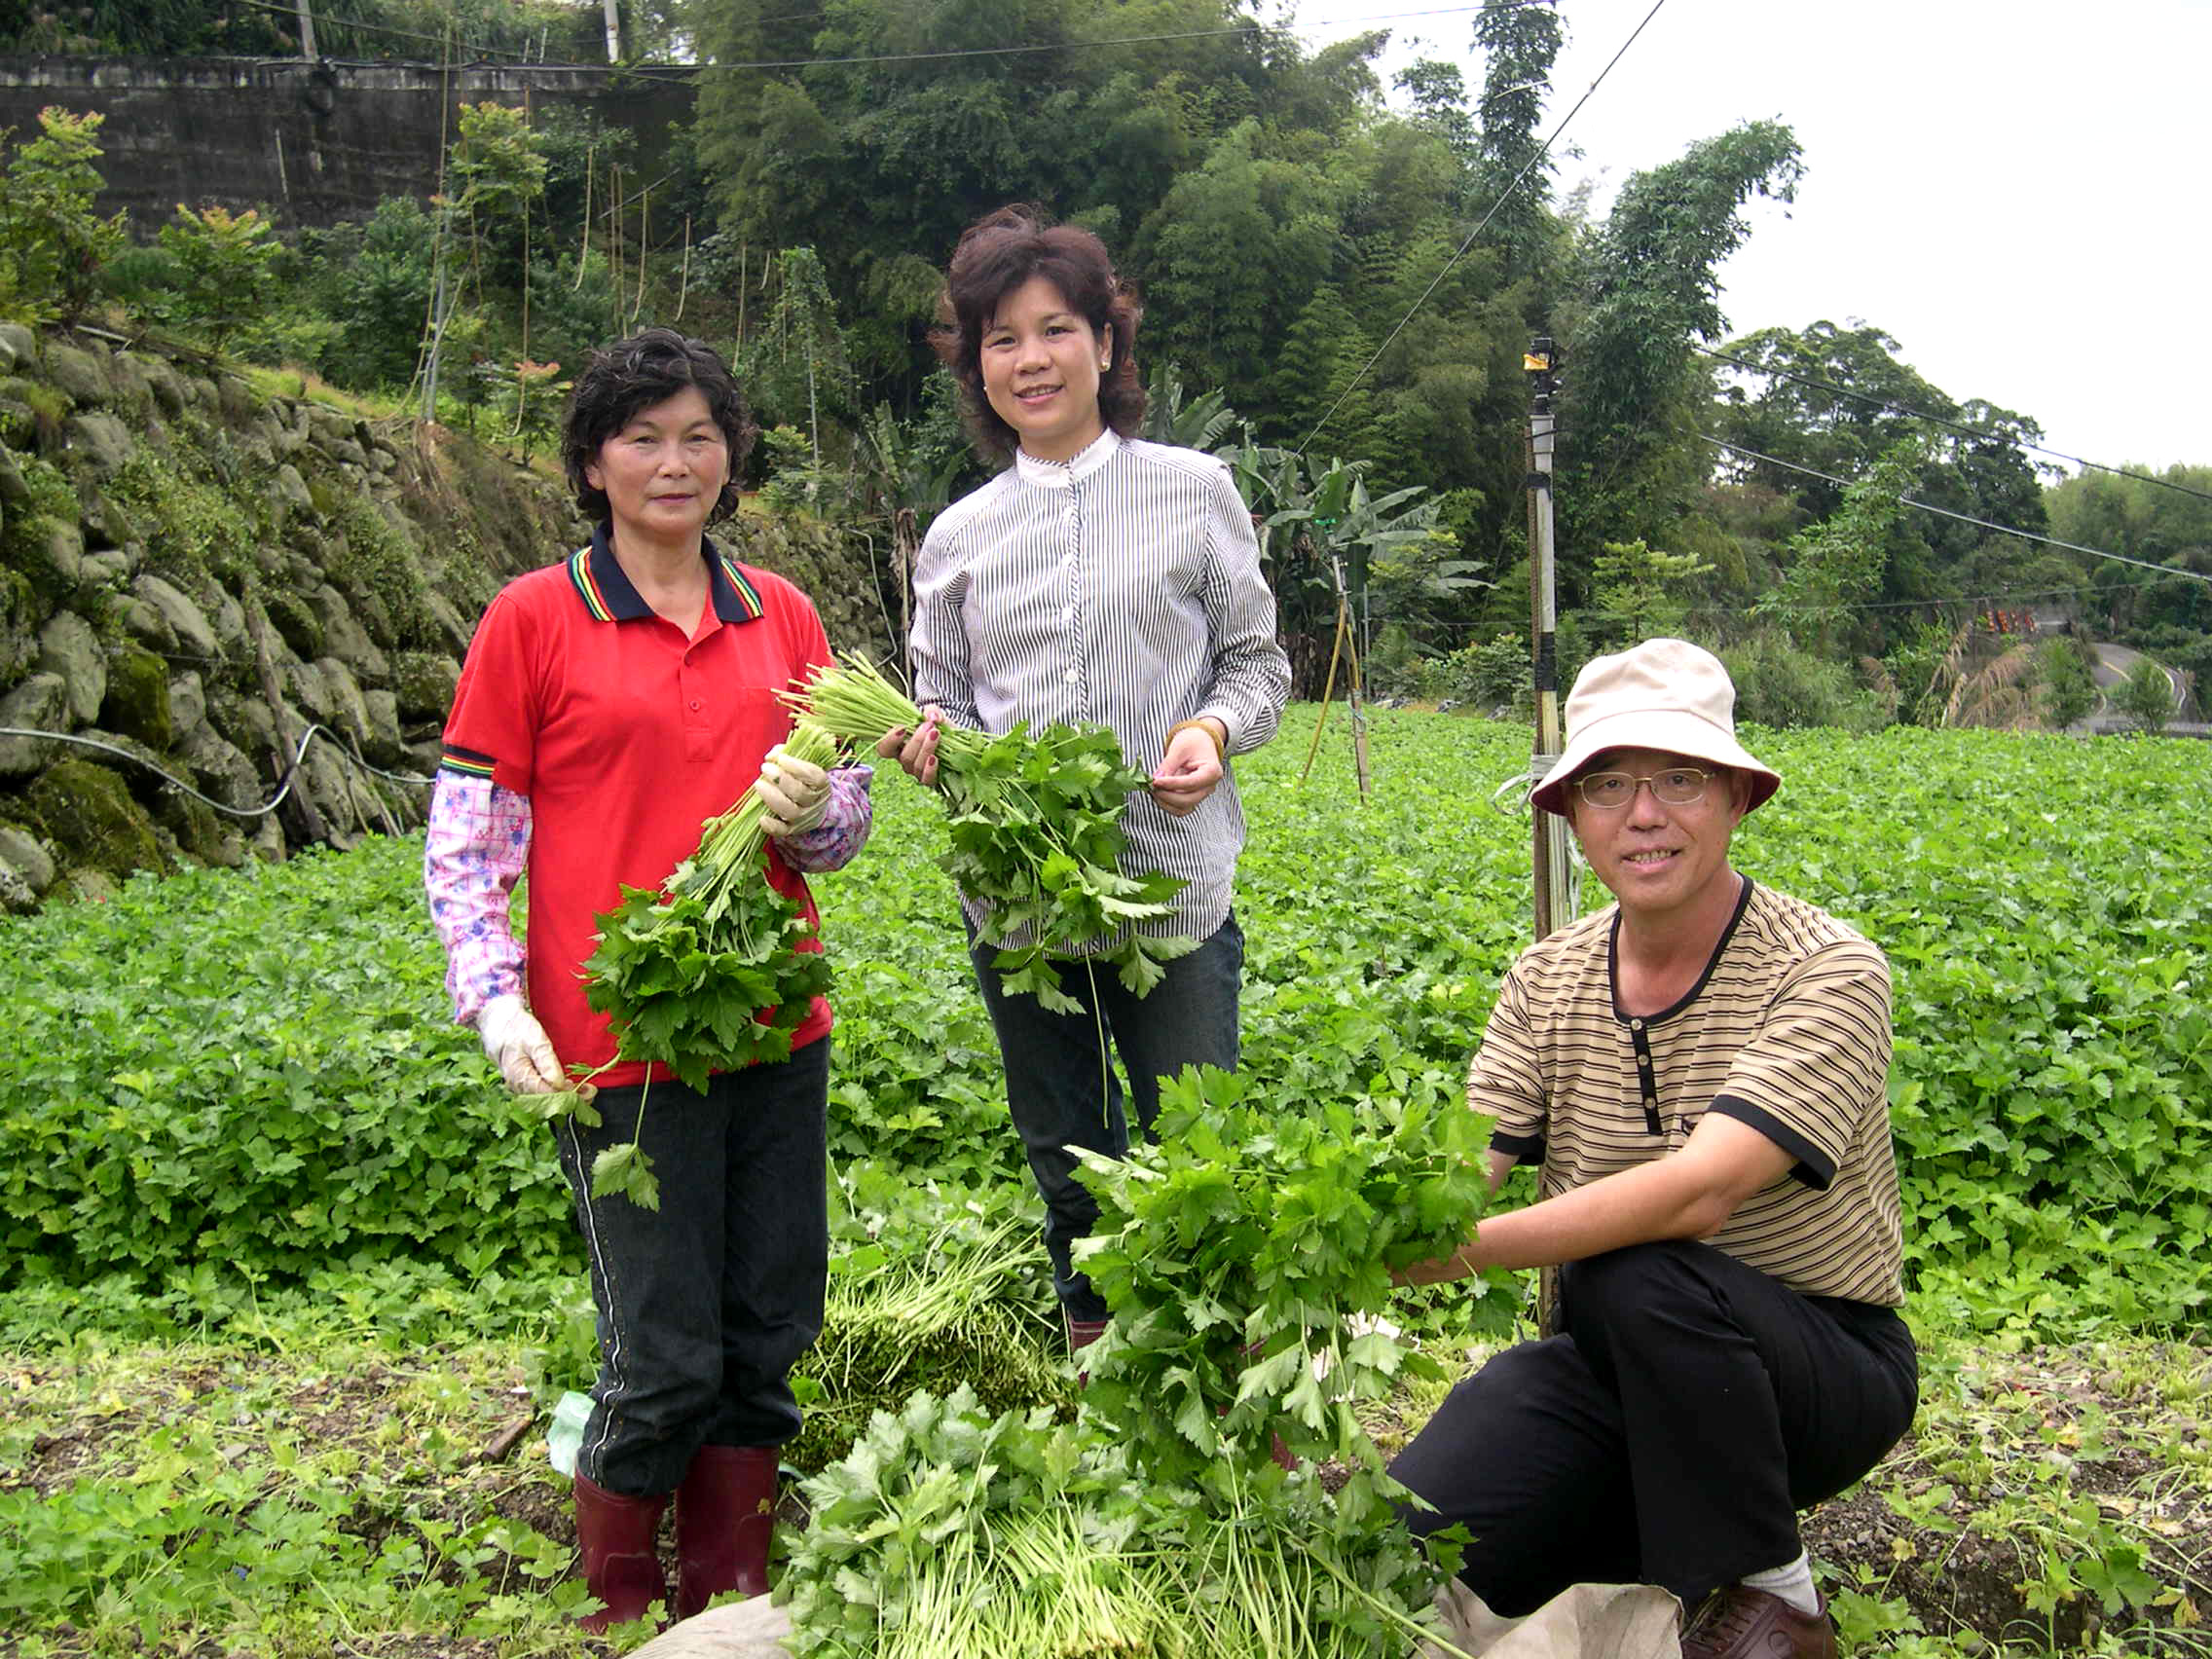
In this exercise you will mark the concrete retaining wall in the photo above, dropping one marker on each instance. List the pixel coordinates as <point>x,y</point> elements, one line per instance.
<point>313,143</point>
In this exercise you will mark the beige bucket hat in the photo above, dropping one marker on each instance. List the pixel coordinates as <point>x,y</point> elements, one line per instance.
<point>1664,694</point>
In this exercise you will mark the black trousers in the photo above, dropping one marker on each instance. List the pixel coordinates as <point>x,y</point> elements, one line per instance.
<point>706,1303</point>
<point>1062,1095</point>
<point>1689,1408</point>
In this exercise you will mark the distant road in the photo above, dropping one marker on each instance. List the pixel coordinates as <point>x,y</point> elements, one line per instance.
<point>2116,663</point>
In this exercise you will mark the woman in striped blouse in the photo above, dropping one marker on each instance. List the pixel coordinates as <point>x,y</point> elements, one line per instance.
<point>1096,578</point>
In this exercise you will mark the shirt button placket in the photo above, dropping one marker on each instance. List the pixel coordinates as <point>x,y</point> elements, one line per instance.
<point>1071,614</point>
<point>692,713</point>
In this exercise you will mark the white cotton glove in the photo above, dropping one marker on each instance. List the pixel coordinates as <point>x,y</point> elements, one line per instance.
<point>793,793</point>
<point>519,1047</point>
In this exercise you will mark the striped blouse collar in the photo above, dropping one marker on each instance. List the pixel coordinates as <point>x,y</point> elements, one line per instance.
<point>1059,475</point>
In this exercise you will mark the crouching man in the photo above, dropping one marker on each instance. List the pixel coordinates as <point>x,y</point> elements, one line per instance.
<point>1700,1071</point>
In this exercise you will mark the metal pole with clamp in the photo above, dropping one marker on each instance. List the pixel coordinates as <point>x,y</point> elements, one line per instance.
<point>1550,850</point>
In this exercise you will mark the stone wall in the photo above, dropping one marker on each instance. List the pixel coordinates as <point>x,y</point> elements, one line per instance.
<point>192,574</point>
<point>314,143</point>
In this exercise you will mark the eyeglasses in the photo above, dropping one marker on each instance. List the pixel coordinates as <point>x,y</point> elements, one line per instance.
<point>1677,785</point>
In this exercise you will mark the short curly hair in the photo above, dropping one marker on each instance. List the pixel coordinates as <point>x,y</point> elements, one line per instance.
<point>631,375</point>
<point>997,254</point>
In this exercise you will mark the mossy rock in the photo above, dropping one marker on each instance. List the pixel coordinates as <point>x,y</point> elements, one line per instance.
<point>832,568</point>
<point>38,537</point>
<point>300,627</point>
<point>49,553</point>
<point>126,376</point>
<point>199,833</point>
<point>239,403</point>
<point>19,423</point>
<point>32,414</point>
<point>19,623</point>
<point>137,701</point>
<point>105,523</point>
<point>37,490</point>
<point>89,815</point>
<point>80,373</point>
<point>377,558</point>
<point>161,382</point>
<point>423,683</point>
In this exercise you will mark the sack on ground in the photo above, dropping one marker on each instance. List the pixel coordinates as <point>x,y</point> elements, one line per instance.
<point>1584,1621</point>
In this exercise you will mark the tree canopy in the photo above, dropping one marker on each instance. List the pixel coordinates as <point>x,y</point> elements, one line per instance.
<point>1343,281</point>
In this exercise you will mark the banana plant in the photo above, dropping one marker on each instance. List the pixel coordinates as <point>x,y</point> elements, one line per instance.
<point>1199,423</point>
<point>907,483</point>
<point>1318,524</point>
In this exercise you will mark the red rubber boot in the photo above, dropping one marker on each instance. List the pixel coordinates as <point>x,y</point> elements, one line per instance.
<point>1081,1332</point>
<point>620,1564</point>
<point>726,1512</point>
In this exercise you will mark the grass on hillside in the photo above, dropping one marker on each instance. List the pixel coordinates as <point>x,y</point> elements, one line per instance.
<point>294,381</point>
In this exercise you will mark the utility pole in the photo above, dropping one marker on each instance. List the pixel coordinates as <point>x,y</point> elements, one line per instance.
<point>613,31</point>
<point>306,32</point>
<point>1550,831</point>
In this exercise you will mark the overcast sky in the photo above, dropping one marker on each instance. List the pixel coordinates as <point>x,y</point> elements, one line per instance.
<point>2017,191</point>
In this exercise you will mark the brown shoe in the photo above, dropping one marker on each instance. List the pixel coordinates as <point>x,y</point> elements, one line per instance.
<point>1737,1622</point>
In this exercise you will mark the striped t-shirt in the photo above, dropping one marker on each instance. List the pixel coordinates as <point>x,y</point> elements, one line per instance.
<point>1789,1031</point>
<point>1121,587</point>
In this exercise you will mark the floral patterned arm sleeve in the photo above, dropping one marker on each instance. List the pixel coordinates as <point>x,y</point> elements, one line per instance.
<point>844,827</point>
<point>476,850</point>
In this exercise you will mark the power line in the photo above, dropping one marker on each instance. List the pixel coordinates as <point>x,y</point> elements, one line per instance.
<point>1931,602</point>
<point>1941,420</point>
<point>329,22</point>
<point>1962,518</point>
<point>1506,196</point>
<point>1125,40</point>
<point>858,59</point>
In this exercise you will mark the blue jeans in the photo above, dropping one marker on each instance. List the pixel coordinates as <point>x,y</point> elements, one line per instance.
<point>707,1303</point>
<point>1062,1093</point>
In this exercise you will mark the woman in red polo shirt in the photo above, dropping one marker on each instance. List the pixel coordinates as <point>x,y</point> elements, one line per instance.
<point>610,704</point>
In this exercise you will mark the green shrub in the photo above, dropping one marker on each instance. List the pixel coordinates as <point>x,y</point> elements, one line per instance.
<point>374,282</point>
<point>2068,686</point>
<point>1396,667</point>
<point>51,243</point>
<point>2147,697</point>
<point>225,268</point>
<point>1778,685</point>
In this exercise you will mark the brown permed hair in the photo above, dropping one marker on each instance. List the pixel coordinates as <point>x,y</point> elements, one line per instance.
<point>631,375</point>
<point>997,254</point>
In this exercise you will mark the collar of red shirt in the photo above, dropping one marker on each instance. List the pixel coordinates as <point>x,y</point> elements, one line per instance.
<point>609,597</point>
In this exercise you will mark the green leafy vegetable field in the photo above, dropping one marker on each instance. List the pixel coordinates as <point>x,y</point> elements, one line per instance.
<point>278,1259</point>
